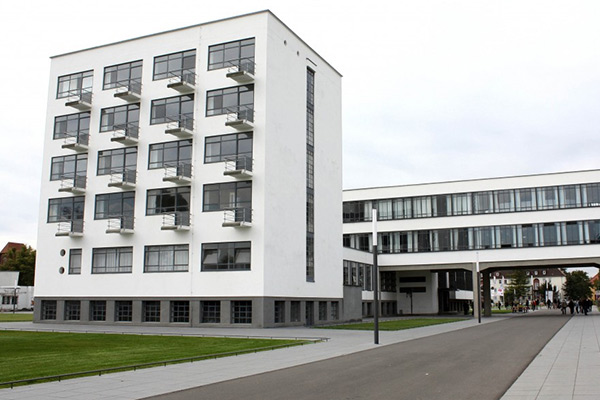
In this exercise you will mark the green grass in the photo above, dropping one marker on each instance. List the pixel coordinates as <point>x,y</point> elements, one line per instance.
<point>501,311</point>
<point>395,325</point>
<point>10,317</point>
<point>37,354</point>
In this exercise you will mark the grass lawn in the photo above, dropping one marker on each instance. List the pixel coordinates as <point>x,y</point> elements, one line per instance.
<point>36,354</point>
<point>396,325</point>
<point>10,317</point>
<point>496,311</point>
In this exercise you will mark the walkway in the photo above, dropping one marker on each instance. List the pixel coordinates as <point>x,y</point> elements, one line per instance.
<point>565,367</point>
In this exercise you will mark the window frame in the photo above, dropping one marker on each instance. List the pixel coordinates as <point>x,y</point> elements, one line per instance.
<point>163,252</point>
<point>226,255</point>
<point>117,253</point>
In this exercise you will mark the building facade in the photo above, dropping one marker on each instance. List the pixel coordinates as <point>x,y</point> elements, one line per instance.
<point>433,237</point>
<point>193,177</point>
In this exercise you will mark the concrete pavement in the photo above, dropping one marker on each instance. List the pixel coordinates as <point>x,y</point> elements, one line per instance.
<point>569,361</point>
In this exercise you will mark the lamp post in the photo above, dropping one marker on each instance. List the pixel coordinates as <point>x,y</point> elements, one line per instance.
<point>375,281</point>
<point>478,289</point>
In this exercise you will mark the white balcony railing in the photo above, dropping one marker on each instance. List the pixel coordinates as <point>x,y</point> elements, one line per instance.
<point>238,217</point>
<point>238,166</point>
<point>176,221</point>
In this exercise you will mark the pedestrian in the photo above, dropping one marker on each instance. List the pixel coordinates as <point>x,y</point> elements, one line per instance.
<point>571,306</point>
<point>563,306</point>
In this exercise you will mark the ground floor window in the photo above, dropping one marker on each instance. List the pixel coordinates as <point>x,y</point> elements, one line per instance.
<point>72,310</point>
<point>48,309</point>
<point>295,311</point>
<point>279,312</point>
<point>123,311</point>
<point>150,311</point>
<point>335,310</point>
<point>241,312</point>
<point>322,311</point>
<point>210,312</point>
<point>9,300</point>
<point>180,311</point>
<point>98,310</point>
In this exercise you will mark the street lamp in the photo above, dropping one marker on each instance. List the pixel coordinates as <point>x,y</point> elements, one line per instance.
<point>375,280</point>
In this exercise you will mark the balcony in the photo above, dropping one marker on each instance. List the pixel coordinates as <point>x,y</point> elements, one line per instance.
<point>183,81</point>
<point>130,91</point>
<point>80,99</point>
<point>241,117</point>
<point>180,173</point>
<point>238,166</point>
<point>239,217</point>
<point>76,141</point>
<point>123,179</point>
<point>181,126</point>
<point>176,221</point>
<point>73,228</point>
<point>122,225</point>
<point>126,134</point>
<point>73,184</point>
<point>241,71</point>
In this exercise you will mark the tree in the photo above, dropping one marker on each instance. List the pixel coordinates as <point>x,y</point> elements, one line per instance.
<point>519,285</point>
<point>22,260</point>
<point>578,285</point>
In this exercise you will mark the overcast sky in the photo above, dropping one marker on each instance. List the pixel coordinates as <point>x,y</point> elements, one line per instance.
<point>432,90</point>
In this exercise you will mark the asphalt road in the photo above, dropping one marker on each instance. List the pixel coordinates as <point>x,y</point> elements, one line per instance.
<point>477,363</point>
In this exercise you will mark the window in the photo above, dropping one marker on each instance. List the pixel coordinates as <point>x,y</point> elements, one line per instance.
<point>570,196</point>
<point>238,99</point>
<point>402,208</point>
<point>547,198</point>
<point>75,84</point>
<point>461,204</point>
<point>229,256</point>
<point>295,311</point>
<point>151,311</point>
<point>170,258</point>
<point>591,195</point>
<point>112,260</point>
<point>525,199</point>
<point>65,209</point>
<point>128,75</point>
<point>482,203</point>
<point>550,234</point>
<point>279,312</point>
<point>505,201</point>
<point>178,108</point>
<point>322,311</point>
<point>573,233</point>
<point>117,160</point>
<point>211,312</point>
<point>593,231</point>
<point>123,311</point>
<point>241,312</point>
<point>239,53</point>
<point>170,154</point>
<point>180,311</point>
<point>97,310</point>
<point>122,117</point>
<point>335,310</point>
<point>220,148</point>
<point>6,300</point>
<point>225,196</point>
<point>72,310</point>
<point>115,205</point>
<point>48,309</point>
<point>506,236</point>
<point>422,207</point>
<point>357,211</point>
<point>484,238</point>
<point>388,281</point>
<point>75,261</point>
<point>175,64</point>
<point>423,241</point>
<point>442,239</point>
<point>528,236</point>
<point>169,200</point>
<point>68,167</point>
<point>72,125</point>
<point>310,175</point>
<point>384,210</point>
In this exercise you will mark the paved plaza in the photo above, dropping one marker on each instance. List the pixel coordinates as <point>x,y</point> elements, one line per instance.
<point>564,369</point>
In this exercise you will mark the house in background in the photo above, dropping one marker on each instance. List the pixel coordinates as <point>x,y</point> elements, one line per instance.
<point>12,296</point>
<point>9,246</point>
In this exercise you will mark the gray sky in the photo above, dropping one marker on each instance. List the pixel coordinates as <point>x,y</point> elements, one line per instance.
<point>432,90</point>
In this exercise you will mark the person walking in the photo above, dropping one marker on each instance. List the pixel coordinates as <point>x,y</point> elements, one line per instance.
<point>571,306</point>
<point>563,306</point>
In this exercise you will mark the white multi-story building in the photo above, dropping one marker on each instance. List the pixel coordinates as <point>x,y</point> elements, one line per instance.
<point>193,177</point>
<point>433,236</point>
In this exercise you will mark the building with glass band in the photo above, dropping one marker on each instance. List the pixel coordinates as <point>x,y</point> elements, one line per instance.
<point>432,236</point>
<point>193,177</point>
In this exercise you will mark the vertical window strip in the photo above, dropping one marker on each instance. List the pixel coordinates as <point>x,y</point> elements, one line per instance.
<point>310,191</point>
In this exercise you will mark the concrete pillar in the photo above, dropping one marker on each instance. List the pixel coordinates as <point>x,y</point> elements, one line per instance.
<point>487,296</point>
<point>476,298</point>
